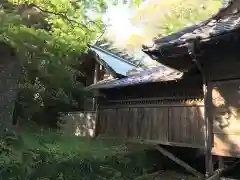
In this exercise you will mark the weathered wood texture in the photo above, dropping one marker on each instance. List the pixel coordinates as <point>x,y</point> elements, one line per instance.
<point>186,125</point>
<point>226,114</point>
<point>179,124</point>
<point>189,87</point>
<point>88,62</point>
<point>78,123</point>
<point>224,65</point>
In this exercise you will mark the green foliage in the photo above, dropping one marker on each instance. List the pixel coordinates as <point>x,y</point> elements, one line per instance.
<point>49,37</point>
<point>157,19</point>
<point>173,15</point>
<point>50,155</point>
<point>186,13</point>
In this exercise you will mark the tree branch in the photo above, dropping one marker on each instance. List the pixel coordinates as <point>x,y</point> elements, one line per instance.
<point>95,23</point>
<point>65,17</point>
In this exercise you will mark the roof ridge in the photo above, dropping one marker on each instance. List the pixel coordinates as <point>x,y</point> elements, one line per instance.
<point>113,55</point>
<point>120,52</point>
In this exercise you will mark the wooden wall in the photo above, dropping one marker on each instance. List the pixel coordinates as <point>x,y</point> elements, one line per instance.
<point>221,65</point>
<point>224,69</point>
<point>222,61</point>
<point>178,123</point>
<point>226,114</point>
<point>186,87</point>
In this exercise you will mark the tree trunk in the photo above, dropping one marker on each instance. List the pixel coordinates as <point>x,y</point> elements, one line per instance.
<point>10,70</point>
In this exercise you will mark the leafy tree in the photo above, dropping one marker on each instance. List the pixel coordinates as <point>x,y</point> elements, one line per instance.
<point>49,37</point>
<point>159,18</point>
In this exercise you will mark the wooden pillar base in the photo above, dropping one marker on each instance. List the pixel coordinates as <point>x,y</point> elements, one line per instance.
<point>218,173</point>
<point>208,164</point>
<point>220,162</point>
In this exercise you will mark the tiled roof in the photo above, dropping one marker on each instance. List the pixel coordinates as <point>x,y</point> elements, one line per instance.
<point>215,26</point>
<point>121,54</point>
<point>155,74</point>
<point>114,63</point>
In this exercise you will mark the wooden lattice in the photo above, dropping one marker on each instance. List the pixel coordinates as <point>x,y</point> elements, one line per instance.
<point>146,102</point>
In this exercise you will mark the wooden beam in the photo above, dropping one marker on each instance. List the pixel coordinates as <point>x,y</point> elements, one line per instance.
<point>207,90</point>
<point>95,80</point>
<point>150,105</point>
<point>195,52</point>
<point>179,162</point>
<point>154,142</point>
<point>95,99</point>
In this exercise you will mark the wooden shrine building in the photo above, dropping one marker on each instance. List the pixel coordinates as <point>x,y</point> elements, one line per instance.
<point>196,105</point>
<point>106,63</point>
<point>102,64</point>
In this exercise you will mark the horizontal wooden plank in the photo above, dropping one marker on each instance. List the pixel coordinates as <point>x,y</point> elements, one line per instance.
<point>156,99</point>
<point>153,142</point>
<point>224,81</point>
<point>147,105</point>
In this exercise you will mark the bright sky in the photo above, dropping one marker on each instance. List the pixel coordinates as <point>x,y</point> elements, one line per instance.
<point>128,28</point>
<point>117,19</point>
<point>120,28</point>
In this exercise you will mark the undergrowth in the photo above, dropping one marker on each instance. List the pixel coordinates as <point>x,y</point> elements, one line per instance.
<point>48,155</point>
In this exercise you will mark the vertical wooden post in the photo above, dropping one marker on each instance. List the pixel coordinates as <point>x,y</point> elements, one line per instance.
<point>94,102</point>
<point>95,79</point>
<point>220,162</point>
<point>194,51</point>
<point>207,90</point>
<point>96,130</point>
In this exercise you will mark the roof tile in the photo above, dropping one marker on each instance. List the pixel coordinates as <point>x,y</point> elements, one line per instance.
<point>155,74</point>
